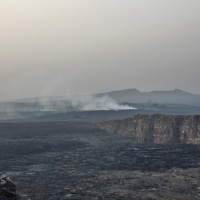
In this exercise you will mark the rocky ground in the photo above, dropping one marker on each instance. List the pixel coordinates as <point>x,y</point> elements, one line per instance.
<point>73,160</point>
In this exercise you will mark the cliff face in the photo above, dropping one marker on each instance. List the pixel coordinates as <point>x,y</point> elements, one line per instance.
<point>160,129</point>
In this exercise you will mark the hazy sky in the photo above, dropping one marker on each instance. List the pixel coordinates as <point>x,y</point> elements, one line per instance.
<point>61,47</point>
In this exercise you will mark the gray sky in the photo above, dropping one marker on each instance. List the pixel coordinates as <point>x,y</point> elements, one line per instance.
<point>62,47</point>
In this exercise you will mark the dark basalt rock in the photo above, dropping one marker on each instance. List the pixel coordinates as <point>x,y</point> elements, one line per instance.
<point>157,128</point>
<point>74,160</point>
<point>8,190</point>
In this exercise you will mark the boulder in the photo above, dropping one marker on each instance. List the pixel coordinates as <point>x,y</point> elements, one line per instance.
<point>8,190</point>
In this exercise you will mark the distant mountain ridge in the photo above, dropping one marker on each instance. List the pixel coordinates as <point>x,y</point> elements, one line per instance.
<point>133,95</point>
<point>166,97</point>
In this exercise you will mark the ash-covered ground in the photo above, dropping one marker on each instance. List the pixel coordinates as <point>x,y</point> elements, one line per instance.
<point>74,160</point>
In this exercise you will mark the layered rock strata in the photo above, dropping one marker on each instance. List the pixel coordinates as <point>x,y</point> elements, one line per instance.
<point>157,128</point>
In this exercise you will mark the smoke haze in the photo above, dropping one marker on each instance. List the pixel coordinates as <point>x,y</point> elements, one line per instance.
<point>99,103</point>
<point>76,103</point>
<point>76,47</point>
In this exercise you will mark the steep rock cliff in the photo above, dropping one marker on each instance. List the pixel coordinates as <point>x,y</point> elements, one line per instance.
<point>160,129</point>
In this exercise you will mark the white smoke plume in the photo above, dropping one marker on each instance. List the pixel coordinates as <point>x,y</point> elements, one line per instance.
<point>99,103</point>
<point>75,103</point>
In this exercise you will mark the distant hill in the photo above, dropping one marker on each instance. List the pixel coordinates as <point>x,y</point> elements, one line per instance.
<point>165,97</point>
<point>176,97</point>
<point>176,102</point>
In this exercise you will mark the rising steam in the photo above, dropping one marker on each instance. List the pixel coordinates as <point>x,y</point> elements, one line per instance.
<point>77,103</point>
<point>101,103</point>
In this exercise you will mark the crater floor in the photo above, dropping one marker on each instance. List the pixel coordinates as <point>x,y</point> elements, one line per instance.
<point>73,160</point>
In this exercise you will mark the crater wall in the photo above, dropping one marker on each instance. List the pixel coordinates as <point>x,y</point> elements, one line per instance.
<point>157,128</point>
